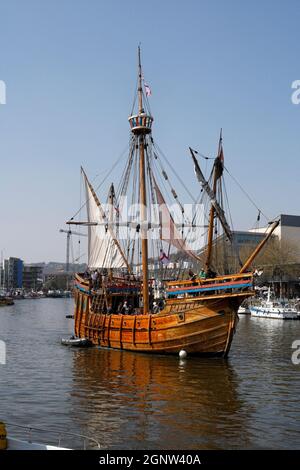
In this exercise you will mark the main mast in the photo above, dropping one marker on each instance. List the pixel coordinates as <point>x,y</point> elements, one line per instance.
<point>141,126</point>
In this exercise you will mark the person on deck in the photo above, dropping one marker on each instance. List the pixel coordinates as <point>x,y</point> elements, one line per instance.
<point>211,274</point>
<point>99,280</point>
<point>130,309</point>
<point>86,274</point>
<point>125,308</point>
<point>95,279</point>
<point>192,275</point>
<point>202,274</point>
<point>119,309</point>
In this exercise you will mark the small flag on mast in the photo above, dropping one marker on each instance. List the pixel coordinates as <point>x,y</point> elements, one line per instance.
<point>147,89</point>
<point>164,259</point>
<point>221,154</point>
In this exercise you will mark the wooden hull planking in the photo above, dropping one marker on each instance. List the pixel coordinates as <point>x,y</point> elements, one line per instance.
<point>199,325</point>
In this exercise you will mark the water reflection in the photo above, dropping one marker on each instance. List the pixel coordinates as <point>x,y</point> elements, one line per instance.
<point>138,400</point>
<point>129,400</point>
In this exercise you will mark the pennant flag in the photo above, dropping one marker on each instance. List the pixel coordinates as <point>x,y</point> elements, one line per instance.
<point>221,154</point>
<point>219,162</point>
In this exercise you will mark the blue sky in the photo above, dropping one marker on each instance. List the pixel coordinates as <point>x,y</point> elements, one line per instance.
<point>70,71</point>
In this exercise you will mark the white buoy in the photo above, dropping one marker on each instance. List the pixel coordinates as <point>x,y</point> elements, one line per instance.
<point>182,354</point>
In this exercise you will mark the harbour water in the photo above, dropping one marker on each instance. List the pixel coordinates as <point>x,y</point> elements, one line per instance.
<point>136,401</point>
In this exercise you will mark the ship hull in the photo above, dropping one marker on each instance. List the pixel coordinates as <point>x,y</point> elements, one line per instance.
<point>200,326</point>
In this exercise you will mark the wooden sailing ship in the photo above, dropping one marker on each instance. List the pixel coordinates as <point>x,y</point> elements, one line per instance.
<point>198,315</point>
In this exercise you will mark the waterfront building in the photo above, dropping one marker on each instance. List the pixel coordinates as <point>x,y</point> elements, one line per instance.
<point>1,274</point>
<point>32,276</point>
<point>60,281</point>
<point>287,232</point>
<point>13,273</point>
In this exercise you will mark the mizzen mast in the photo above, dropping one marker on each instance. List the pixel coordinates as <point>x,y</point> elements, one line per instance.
<point>141,124</point>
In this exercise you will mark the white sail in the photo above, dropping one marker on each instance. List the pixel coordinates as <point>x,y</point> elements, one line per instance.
<point>103,248</point>
<point>169,231</point>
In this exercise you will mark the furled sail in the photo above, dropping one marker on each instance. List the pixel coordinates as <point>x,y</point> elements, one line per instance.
<point>210,193</point>
<point>104,250</point>
<point>169,232</point>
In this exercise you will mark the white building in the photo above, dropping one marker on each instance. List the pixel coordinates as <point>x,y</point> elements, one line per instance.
<point>288,231</point>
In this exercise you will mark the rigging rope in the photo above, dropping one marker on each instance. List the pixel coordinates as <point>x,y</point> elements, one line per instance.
<point>102,182</point>
<point>246,194</point>
<point>172,169</point>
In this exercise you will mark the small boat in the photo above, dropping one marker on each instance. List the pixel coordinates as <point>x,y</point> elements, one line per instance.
<point>67,294</point>
<point>77,342</point>
<point>6,301</point>
<point>54,294</point>
<point>17,444</point>
<point>274,309</point>
<point>70,316</point>
<point>244,309</point>
<point>9,441</point>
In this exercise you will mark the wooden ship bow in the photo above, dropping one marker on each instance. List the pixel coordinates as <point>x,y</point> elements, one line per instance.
<point>136,295</point>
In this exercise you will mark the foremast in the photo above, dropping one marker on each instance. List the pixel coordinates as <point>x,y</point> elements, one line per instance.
<point>217,172</point>
<point>217,211</point>
<point>140,124</point>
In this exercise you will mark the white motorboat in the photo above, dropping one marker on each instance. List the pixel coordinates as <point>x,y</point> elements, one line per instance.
<point>274,309</point>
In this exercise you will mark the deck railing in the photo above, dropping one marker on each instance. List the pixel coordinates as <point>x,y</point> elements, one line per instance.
<point>210,285</point>
<point>213,280</point>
